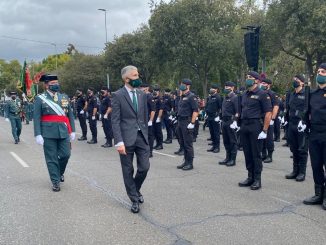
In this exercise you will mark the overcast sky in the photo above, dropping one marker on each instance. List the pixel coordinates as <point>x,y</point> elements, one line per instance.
<point>62,22</point>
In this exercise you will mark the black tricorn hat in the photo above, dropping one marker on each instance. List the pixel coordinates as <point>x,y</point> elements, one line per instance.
<point>48,77</point>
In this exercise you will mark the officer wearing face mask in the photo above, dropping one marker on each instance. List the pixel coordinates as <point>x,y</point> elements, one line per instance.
<point>256,113</point>
<point>92,108</point>
<point>81,113</point>
<point>13,110</point>
<point>187,114</point>
<point>213,110</point>
<point>230,114</point>
<point>106,110</point>
<point>54,128</point>
<point>157,123</point>
<point>316,119</point>
<point>298,140</point>
<point>268,145</point>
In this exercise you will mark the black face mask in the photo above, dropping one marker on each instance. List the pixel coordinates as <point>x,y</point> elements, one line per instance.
<point>13,97</point>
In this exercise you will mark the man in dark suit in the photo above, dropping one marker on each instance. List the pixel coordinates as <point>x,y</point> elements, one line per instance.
<point>130,131</point>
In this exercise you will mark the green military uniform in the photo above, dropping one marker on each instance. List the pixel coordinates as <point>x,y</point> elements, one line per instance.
<point>28,110</point>
<point>55,134</point>
<point>13,110</point>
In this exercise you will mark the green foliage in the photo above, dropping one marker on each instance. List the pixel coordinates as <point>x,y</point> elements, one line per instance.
<point>82,71</point>
<point>9,73</point>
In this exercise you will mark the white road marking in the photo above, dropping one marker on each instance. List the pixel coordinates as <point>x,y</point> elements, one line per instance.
<point>24,164</point>
<point>281,200</point>
<point>163,154</point>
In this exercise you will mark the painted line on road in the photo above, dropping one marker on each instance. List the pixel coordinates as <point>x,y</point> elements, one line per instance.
<point>281,200</point>
<point>163,154</point>
<point>24,164</point>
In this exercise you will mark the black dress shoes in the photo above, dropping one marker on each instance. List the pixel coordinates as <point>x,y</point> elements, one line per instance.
<point>300,177</point>
<point>188,167</point>
<point>179,152</point>
<point>246,183</point>
<point>92,142</point>
<point>256,185</point>
<point>56,187</point>
<point>167,141</point>
<point>82,138</point>
<point>135,207</point>
<point>181,165</point>
<point>106,145</point>
<point>159,147</point>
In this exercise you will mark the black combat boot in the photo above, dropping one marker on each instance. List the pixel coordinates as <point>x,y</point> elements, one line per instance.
<point>179,152</point>
<point>232,161</point>
<point>317,198</point>
<point>92,141</point>
<point>167,141</point>
<point>184,163</point>
<point>247,182</point>
<point>226,160</point>
<point>302,173</point>
<point>82,138</point>
<point>269,157</point>
<point>188,165</point>
<point>256,185</point>
<point>294,173</point>
<point>324,201</point>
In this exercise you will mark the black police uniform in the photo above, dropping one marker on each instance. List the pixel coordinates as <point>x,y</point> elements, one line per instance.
<point>151,108</point>
<point>298,140</point>
<point>317,144</point>
<point>187,105</point>
<point>286,127</point>
<point>254,106</point>
<point>213,109</point>
<point>277,122</point>
<point>81,101</point>
<point>106,122</point>
<point>180,151</point>
<point>168,105</point>
<point>229,111</point>
<point>92,103</point>
<point>196,129</point>
<point>268,144</point>
<point>157,127</point>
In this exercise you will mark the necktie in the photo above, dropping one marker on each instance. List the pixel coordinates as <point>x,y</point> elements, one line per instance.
<point>134,100</point>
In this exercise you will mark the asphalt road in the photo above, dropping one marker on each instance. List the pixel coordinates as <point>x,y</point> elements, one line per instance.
<point>203,206</point>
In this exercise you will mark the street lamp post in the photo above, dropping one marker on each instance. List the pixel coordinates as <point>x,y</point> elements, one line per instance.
<point>106,31</point>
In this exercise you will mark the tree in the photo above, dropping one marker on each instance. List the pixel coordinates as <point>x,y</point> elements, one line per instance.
<point>195,34</point>
<point>9,72</point>
<point>297,28</point>
<point>82,71</point>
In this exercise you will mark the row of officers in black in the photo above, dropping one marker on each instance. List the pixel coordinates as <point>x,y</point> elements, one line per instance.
<point>248,117</point>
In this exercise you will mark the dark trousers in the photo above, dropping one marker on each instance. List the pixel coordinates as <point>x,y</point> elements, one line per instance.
<point>82,122</point>
<point>133,184</point>
<point>229,140</point>
<point>93,127</point>
<point>107,128</point>
<point>158,134</point>
<point>150,138</point>
<point>186,139</point>
<point>317,150</point>
<point>168,127</point>
<point>268,143</point>
<point>214,129</point>
<point>299,147</point>
<point>57,154</point>
<point>250,129</point>
<point>177,134</point>
<point>277,129</point>
<point>16,127</point>
<point>196,129</point>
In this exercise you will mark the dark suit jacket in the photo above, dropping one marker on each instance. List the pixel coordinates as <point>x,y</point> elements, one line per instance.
<point>125,121</point>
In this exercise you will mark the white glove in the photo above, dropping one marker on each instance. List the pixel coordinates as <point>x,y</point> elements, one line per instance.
<point>158,120</point>
<point>217,119</point>
<point>105,116</point>
<point>176,121</point>
<point>100,117</point>
<point>262,135</point>
<point>196,118</point>
<point>271,122</point>
<point>235,126</point>
<point>150,123</point>
<point>191,126</point>
<point>301,127</point>
<point>93,117</point>
<point>81,112</point>
<point>283,122</point>
<point>280,119</point>
<point>7,119</point>
<point>72,136</point>
<point>171,118</point>
<point>39,140</point>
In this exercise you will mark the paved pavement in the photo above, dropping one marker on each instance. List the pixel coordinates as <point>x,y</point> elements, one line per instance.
<point>203,206</point>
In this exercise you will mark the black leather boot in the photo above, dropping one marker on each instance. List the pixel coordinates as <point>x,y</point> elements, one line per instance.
<point>247,182</point>
<point>269,157</point>
<point>324,200</point>
<point>317,198</point>
<point>189,165</point>
<point>226,160</point>
<point>256,185</point>
<point>302,173</point>
<point>294,173</point>
<point>182,164</point>
<point>232,161</point>
<point>179,152</point>
<point>92,141</point>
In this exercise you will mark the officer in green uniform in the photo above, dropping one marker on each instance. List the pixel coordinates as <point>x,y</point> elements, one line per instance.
<point>13,110</point>
<point>54,128</point>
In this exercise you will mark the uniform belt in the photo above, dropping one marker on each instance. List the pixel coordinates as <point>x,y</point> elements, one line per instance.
<point>57,119</point>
